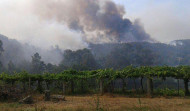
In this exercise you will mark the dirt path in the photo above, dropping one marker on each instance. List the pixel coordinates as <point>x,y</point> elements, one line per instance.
<point>87,103</point>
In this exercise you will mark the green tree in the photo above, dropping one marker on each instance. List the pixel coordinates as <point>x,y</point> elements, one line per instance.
<point>38,66</point>
<point>130,54</point>
<point>50,68</point>
<point>79,60</point>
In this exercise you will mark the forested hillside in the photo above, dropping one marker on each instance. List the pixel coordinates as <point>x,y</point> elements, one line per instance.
<point>16,56</point>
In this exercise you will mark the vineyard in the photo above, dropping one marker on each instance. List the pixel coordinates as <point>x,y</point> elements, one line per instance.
<point>100,80</point>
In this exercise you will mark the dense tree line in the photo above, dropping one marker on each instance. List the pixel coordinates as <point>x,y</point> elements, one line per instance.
<point>101,56</point>
<point>79,60</point>
<point>137,53</point>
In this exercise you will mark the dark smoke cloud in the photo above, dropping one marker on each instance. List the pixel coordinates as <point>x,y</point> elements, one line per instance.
<point>98,20</point>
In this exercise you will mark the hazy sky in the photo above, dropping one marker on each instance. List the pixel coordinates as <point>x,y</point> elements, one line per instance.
<point>164,20</point>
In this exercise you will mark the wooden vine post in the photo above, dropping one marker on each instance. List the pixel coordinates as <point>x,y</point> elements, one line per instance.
<point>123,85</point>
<point>186,81</point>
<point>149,87</point>
<point>29,83</point>
<point>178,86</point>
<point>64,88</point>
<point>101,87</point>
<point>72,86</point>
<point>142,88</point>
<point>82,85</point>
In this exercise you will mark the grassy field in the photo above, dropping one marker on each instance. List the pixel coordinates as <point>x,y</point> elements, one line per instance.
<point>101,103</point>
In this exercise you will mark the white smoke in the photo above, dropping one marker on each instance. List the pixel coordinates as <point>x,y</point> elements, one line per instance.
<point>70,24</point>
<point>19,22</point>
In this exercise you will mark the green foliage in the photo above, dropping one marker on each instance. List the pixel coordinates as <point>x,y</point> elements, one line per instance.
<point>181,72</point>
<point>169,92</point>
<point>38,66</point>
<point>79,60</point>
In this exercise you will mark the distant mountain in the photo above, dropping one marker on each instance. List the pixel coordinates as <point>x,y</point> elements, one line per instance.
<point>18,52</point>
<point>175,53</point>
<point>110,55</point>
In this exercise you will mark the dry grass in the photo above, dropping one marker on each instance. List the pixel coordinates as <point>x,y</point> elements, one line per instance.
<point>102,103</point>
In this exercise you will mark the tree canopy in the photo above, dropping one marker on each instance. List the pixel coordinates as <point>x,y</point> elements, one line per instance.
<point>38,66</point>
<point>79,60</point>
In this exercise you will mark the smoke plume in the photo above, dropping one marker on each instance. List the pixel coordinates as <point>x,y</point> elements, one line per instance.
<point>68,24</point>
<point>99,21</point>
